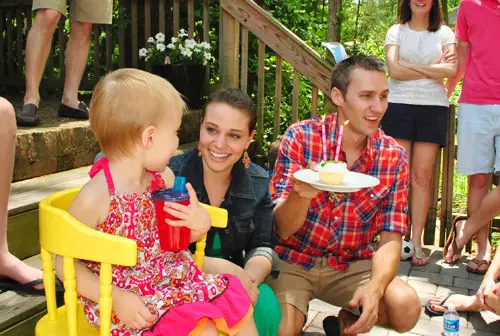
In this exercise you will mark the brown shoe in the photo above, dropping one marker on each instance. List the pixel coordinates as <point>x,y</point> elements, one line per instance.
<point>82,112</point>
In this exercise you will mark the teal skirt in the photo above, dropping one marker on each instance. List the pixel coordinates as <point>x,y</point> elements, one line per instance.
<point>267,311</point>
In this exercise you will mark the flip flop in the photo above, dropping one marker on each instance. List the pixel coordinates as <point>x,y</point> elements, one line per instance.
<point>432,312</point>
<point>479,263</point>
<point>334,326</point>
<point>451,240</point>
<point>28,288</point>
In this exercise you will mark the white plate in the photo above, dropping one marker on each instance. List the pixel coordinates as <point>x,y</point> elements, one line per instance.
<point>352,181</point>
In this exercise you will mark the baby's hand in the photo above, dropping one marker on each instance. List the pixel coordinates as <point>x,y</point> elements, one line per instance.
<point>131,309</point>
<point>193,216</point>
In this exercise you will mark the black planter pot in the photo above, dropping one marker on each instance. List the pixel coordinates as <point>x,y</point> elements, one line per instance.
<point>186,78</point>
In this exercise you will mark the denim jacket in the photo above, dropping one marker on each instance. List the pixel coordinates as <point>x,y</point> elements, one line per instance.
<point>249,229</point>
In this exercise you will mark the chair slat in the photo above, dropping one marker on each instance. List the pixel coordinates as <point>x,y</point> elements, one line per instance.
<point>49,283</point>
<point>70,295</point>
<point>105,300</point>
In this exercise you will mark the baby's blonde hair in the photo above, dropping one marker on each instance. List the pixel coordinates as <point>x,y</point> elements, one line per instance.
<point>127,101</point>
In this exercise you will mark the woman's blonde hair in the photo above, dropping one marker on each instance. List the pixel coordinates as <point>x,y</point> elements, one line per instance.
<point>127,101</point>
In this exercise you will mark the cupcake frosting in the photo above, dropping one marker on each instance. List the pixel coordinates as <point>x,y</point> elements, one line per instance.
<point>331,166</point>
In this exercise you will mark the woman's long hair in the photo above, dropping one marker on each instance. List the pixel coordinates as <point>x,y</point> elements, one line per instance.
<point>435,16</point>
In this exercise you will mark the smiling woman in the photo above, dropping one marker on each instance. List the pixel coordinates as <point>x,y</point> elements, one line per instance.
<point>222,176</point>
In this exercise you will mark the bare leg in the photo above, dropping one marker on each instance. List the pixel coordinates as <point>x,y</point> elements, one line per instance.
<point>407,145</point>
<point>424,156</point>
<point>479,185</point>
<point>37,51</point>
<point>77,52</point>
<point>210,330</point>
<point>462,303</point>
<point>400,308</point>
<point>249,329</point>
<point>10,266</point>
<point>292,321</point>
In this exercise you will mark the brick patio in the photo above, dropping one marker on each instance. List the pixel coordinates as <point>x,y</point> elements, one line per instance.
<point>435,278</point>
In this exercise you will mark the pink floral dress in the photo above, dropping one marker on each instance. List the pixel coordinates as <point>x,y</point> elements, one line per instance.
<point>178,293</point>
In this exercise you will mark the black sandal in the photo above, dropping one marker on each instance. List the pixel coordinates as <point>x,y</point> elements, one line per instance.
<point>7,284</point>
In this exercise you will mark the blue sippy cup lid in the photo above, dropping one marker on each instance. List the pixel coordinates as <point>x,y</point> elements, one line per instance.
<point>177,193</point>
<point>179,184</point>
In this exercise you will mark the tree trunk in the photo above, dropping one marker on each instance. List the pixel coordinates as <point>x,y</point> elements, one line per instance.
<point>334,20</point>
<point>444,7</point>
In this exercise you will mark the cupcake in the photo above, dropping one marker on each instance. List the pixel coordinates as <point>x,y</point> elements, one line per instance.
<point>331,173</point>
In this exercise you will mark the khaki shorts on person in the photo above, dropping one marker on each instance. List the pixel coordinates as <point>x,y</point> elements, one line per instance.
<point>297,286</point>
<point>89,11</point>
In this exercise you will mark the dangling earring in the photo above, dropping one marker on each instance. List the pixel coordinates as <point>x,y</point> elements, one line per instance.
<point>246,159</point>
<point>199,151</point>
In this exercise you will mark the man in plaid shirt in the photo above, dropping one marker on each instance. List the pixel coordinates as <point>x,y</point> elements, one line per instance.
<point>323,239</point>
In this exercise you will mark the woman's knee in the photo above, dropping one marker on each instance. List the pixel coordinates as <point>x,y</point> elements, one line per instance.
<point>47,19</point>
<point>81,31</point>
<point>7,118</point>
<point>421,177</point>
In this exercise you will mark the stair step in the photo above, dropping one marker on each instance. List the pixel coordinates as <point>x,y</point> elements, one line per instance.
<point>22,225</point>
<point>19,314</point>
<point>60,144</point>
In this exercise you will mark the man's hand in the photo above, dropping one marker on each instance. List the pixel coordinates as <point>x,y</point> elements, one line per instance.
<point>131,309</point>
<point>303,189</point>
<point>194,216</point>
<point>367,297</point>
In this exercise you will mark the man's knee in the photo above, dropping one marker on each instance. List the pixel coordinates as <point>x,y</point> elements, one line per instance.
<point>480,181</point>
<point>7,117</point>
<point>81,30</point>
<point>403,307</point>
<point>47,19</point>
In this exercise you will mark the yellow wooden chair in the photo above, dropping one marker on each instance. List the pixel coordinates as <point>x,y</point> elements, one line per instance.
<point>62,234</point>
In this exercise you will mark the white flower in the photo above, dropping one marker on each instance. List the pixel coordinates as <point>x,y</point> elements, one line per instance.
<point>207,56</point>
<point>160,47</point>
<point>186,52</point>
<point>190,44</point>
<point>174,40</point>
<point>171,46</point>
<point>151,40</point>
<point>182,33</point>
<point>205,45</point>
<point>143,52</point>
<point>160,37</point>
<point>205,62</point>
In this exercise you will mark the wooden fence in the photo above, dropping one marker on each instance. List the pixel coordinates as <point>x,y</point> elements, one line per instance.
<point>135,21</point>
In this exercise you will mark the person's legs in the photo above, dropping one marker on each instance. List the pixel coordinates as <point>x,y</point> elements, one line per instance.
<point>267,312</point>
<point>37,51</point>
<point>424,156</point>
<point>294,289</point>
<point>77,52</point>
<point>10,266</point>
<point>399,309</point>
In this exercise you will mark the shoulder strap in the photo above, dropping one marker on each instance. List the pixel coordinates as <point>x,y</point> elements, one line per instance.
<point>103,164</point>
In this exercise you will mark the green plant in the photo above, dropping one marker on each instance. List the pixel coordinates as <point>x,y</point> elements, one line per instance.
<point>179,50</point>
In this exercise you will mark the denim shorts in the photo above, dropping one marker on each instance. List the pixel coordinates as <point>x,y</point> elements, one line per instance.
<point>478,139</point>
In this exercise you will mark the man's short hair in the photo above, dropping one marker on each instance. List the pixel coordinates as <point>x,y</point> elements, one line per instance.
<point>341,75</point>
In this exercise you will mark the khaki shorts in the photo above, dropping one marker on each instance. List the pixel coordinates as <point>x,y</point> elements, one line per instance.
<point>89,11</point>
<point>297,286</point>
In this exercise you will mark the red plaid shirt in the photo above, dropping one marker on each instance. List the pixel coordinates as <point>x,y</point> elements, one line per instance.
<point>342,229</point>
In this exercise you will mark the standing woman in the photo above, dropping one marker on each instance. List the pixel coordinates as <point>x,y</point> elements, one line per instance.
<point>420,53</point>
<point>223,176</point>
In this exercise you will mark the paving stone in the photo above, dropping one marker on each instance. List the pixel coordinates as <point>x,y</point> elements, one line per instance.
<point>314,332</point>
<point>466,283</point>
<point>453,270</point>
<point>423,287</point>
<point>427,328</point>
<point>473,332</point>
<point>424,297</point>
<point>318,321</point>
<point>431,267</point>
<point>477,322</point>
<point>311,316</point>
<point>395,333</point>
<point>462,318</point>
<point>423,315</point>
<point>473,276</point>
<point>404,268</point>
<point>438,279</point>
<point>436,254</point>
<point>377,331</point>
<point>323,307</point>
<point>444,290</point>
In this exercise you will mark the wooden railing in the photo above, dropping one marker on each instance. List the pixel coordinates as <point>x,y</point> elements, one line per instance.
<point>241,17</point>
<point>137,21</point>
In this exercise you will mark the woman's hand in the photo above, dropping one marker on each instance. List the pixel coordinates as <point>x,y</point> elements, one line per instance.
<point>194,216</point>
<point>249,284</point>
<point>448,57</point>
<point>488,288</point>
<point>131,309</point>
